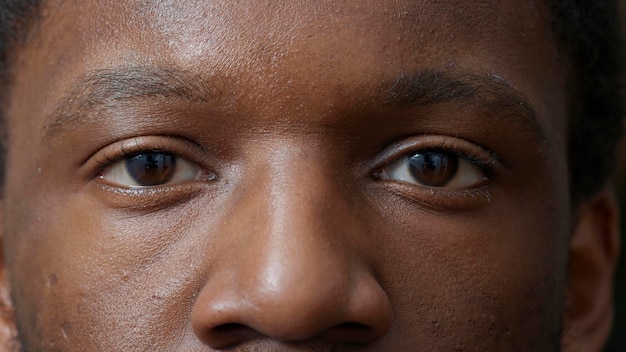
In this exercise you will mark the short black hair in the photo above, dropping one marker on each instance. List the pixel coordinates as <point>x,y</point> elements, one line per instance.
<point>590,37</point>
<point>587,31</point>
<point>16,19</point>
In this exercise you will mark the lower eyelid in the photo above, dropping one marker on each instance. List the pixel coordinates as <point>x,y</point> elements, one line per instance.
<point>149,199</point>
<point>443,199</point>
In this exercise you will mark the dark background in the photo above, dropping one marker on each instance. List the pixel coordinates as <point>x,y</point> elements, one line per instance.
<point>617,342</point>
<point>618,338</point>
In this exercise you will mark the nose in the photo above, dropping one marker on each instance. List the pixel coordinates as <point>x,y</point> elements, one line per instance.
<point>297,268</point>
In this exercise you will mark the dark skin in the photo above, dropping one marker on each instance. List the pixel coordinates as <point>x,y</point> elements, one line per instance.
<point>277,207</point>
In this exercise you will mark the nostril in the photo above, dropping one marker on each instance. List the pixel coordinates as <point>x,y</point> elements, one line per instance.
<point>227,335</point>
<point>354,333</point>
<point>349,332</point>
<point>351,326</point>
<point>230,328</point>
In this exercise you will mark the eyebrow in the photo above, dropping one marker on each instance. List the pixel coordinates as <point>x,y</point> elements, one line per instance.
<point>113,87</point>
<point>490,93</point>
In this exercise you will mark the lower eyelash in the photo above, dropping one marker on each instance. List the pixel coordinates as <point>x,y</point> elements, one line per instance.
<point>444,199</point>
<point>151,199</point>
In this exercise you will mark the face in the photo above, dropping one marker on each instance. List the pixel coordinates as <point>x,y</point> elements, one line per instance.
<point>356,175</point>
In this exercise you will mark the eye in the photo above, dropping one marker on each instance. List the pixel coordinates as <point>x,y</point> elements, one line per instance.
<point>152,168</point>
<point>437,169</point>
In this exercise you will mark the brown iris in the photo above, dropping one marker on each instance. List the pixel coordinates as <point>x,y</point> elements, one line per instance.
<point>433,168</point>
<point>151,169</point>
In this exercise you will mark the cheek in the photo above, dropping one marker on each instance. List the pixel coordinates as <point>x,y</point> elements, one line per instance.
<point>96,278</point>
<point>492,276</point>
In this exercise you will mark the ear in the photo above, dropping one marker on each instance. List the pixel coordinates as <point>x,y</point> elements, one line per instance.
<point>8,330</point>
<point>594,250</point>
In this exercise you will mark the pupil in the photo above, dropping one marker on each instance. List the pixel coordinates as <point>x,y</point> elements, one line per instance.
<point>433,168</point>
<point>151,169</point>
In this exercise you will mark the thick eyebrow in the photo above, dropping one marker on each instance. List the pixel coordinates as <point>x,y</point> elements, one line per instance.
<point>107,87</point>
<point>488,93</point>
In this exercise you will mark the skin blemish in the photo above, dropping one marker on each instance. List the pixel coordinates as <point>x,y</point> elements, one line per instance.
<point>66,329</point>
<point>52,280</point>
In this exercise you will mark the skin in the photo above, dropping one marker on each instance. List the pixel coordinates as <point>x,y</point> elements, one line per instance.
<point>292,235</point>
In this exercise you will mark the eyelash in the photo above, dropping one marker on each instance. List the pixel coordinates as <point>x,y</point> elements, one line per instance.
<point>477,154</point>
<point>485,160</point>
<point>127,149</point>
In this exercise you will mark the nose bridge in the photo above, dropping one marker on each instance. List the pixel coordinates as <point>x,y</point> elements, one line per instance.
<point>308,225</point>
<point>301,246</point>
<point>304,201</point>
<point>295,274</point>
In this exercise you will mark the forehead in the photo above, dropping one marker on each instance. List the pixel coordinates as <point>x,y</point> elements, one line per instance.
<point>193,32</point>
<point>205,27</point>
<point>318,45</point>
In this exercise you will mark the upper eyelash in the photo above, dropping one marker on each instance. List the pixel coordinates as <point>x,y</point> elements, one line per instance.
<point>485,164</point>
<point>121,150</point>
<point>488,161</point>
